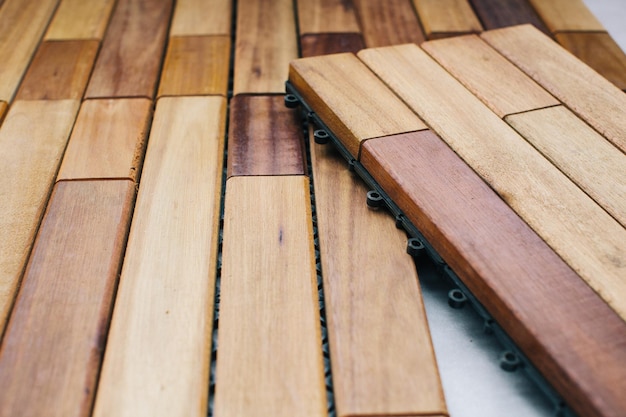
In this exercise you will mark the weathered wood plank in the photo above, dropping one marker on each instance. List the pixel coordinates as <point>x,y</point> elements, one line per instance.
<point>158,352</point>
<point>326,16</point>
<point>566,15</point>
<point>330,43</point>
<point>51,352</point>
<point>496,14</point>
<point>108,140</point>
<point>389,22</point>
<point>444,18</point>
<point>201,17</point>
<point>79,19</point>
<point>270,356</point>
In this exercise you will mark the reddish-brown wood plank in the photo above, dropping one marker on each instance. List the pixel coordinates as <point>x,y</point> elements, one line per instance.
<point>330,43</point>
<point>326,16</point>
<point>495,14</point>
<point>265,137</point>
<point>388,22</point>
<point>52,348</point>
<point>444,18</point>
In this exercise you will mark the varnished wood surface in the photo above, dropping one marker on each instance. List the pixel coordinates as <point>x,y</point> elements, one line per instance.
<point>495,14</point>
<point>326,16</point>
<point>79,19</point>
<point>566,15</point>
<point>330,43</point>
<point>201,17</point>
<point>388,22</point>
<point>443,18</point>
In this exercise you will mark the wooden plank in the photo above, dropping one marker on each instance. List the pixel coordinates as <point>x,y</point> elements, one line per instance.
<point>542,195</point>
<point>78,19</point>
<point>351,100</point>
<point>51,352</point>
<point>330,43</point>
<point>383,363</point>
<point>495,14</point>
<point>326,16</point>
<point>108,140</point>
<point>3,109</point>
<point>158,352</point>
<point>130,59</point>
<point>264,138</point>
<point>196,65</point>
<point>474,63</point>
<point>32,139</point>
<point>201,17</point>
<point>599,51</point>
<point>22,23</point>
<point>270,356</point>
<point>583,90</point>
<point>265,44</point>
<point>566,15</point>
<point>60,70</point>
<point>444,18</point>
<point>388,22</point>
<point>565,329</point>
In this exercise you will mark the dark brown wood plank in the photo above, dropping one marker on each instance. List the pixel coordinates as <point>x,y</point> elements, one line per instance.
<point>388,22</point>
<point>330,43</point>
<point>495,14</point>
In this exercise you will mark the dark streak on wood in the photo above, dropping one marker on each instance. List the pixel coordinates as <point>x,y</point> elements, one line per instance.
<point>330,43</point>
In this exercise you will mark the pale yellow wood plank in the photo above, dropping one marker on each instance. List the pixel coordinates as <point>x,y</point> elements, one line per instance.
<point>201,17</point>
<point>351,100</point>
<point>158,351</point>
<point>588,94</point>
<point>579,230</point>
<point>474,63</point>
<point>80,19</point>
<point>327,16</point>
<point>32,139</point>
<point>442,18</point>
<point>566,15</point>
<point>269,360</point>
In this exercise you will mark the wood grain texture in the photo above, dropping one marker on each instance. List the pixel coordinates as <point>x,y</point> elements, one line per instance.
<point>270,356</point>
<point>578,229</point>
<point>565,329</point>
<point>60,70</point>
<point>201,17</point>
<point>79,19</point>
<point>444,18</point>
<point>330,43</point>
<point>108,140</point>
<point>32,139</point>
<point>592,97</point>
<point>196,65</point>
<point>264,138</point>
<point>381,354</point>
<point>130,59</point>
<point>566,15</point>
<point>326,16</point>
<point>350,99</point>
<point>51,352</point>
<point>495,14</point>
<point>265,44</point>
<point>388,22</point>
<point>159,347</point>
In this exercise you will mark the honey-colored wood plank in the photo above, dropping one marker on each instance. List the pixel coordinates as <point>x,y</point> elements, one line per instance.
<point>326,16</point>
<point>592,97</point>
<point>444,18</point>
<point>79,19</point>
<point>566,15</point>
<point>495,14</point>
<point>265,137</point>
<point>3,109</point>
<point>108,140</point>
<point>350,99</point>
<point>474,63</point>
<point>565,329</point>
<point>542,195</point>
<point>270,357</point>
<point>22,23</point>
<point>32,139</point>
<point>158,351</point>
<point>330,43</point>
<point>130,59</point>
<point>51,352</point>
<point>388,22</point>
<point>383,363</point>
<point>196,65</point>
<point>60,70</point>
<point>201,17</point>
<point>265,44</point>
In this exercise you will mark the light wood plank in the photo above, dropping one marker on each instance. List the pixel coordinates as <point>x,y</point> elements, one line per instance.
<point>196,65</point>
<point>108,140</point>
<point>330,43</point>
<point>51,352</point>
<point>270,358</point>
<point>350,99</point>
<point>444,18</point>
<point>32,139</point>
<point>326,16</point>
<point>79,19</point>
<point>159,347</point>
<point>201,17</point>
<point>566,15</point>
<point>265,44</point>
<point>389,22</point>
<point>578,229</point>
<point>583,90</point>
<point>495,14</point>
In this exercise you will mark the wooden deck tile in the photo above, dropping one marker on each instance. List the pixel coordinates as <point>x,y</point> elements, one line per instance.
<point>108,140</point>
<point>593,98</point>
<point>351,100</point>
<point>201,17</point>
<point>388,22</point>
<point>566,15</point>
<point>444,18</point>
<point>496,14</point>
<point>51,352</point>
<point>326,16</point>
<point>330,43</point>
<point>565,329</point>
<point>79,19</point>
<point>543,196</point>
<point>270,356</point>
<point>60,70</point>
<point>32,139</point>
<point>266,43</point>
<point>382,363</point>
<point>265,137</point>
<point>130,59</point>
<point>158,351</point>
<point>196,65</point>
